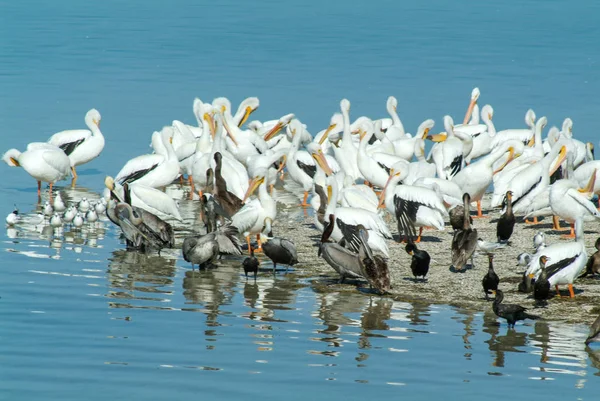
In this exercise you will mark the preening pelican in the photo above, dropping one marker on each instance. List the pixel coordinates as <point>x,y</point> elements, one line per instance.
<point>464,240</point>
<point>405,147</point>
<point>147,198</point>
<point>156,170</point>
<point>524,135</point>
<point>394,129</point>
<point>342,260</point>
<point>477,177</point>
<point>449,155</point>
<point>583,173</point>
<point>81,145</point>
<point>569,202</point>
<point>568,260</point>
<point>43,161</point>
<point>412,205</point>
<point>482,142</point>
<point>532,180</point>
<point>349,217</point>
<point>474,97</point>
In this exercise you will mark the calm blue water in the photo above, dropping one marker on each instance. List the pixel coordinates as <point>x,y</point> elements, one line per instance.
<point>83,319</point>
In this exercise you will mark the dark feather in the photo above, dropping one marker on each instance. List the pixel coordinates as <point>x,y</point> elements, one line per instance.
<point>136,175</point>
<point>69,147</point>
<point>307,168</point>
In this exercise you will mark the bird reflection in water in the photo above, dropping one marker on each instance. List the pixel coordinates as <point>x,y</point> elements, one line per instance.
<point>501,344</point>
<point>466,317</point>
<point>136,276</point>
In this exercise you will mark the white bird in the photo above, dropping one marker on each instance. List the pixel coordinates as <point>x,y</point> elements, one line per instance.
<point>475,178</point>
<point>83,205</point>
<point>152,170</point>
<point>250,218</point>
<point>56,221</point>
<point>347,153</point>
<point>569,202</point>
<point>81,145</point>
<point>524,135</point>
<point>489,247</point>
<point>13,217</point>
<point>91,216</point>
<point>78,220</point>
<point>69,214</point>
<point>43,161</point>
<point>449,155</point>
<point>408,203</point>
<point>530,181</point>
<point>583,173</point>
<point>59,204</point>
<point>482,142</point>
<point>394,129</point>
<point>150,199</point>
<point>349,216</point>
<point>539,240</point>
<point>100,206</point>
<point>568,260</point>
<point>47,209</point>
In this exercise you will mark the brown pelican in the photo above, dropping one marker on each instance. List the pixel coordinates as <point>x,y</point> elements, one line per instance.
<point>279,250</point>
<point>202,250</point>
<point>464,241</point>
<point>342,260</point>
<point>228,201</point>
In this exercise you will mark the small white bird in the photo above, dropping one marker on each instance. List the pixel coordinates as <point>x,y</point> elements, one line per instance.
<point>83,205</point>
<point>91,216</point>
<point>100,206</point>
<point>13,217</point>
<point>48,210</point>
<point>523,259</point>
<point>56,221</point>
<point>78,220</point>
<point>489,247</point>
<point>69,214</point>
<point>59,205</point>
<point>539,240</point>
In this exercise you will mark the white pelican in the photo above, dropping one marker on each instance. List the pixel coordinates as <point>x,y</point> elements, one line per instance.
<point>394,129</point>
<point>482,142</point>
<point>246,107</point>
<point>449,155</point>
<point>451,193</point>
<point>477,177</point>
<point>523,135</point>
<point>147,198</point>
<point>297,169</point>
<point>420,168</point>
<point>347,153</point>
<point>246,144</point>
<point>570,202</point>
<point>530,181</point>
<point>81,145</point>
<point>336,124</point>
<point>348,217</point>
<point>421,206</point>
<point>583,173</point>
<point>474,97</point>
<point>405,147</point>
<point>568,260</point>
<point>268,161</point>
<point>582,152</point>
<point>370,166</point>
<point>251,217</point>
<point>43,161</point>
<point>155,170</point>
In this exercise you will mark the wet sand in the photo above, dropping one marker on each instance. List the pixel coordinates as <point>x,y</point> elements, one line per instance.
<point>443,286</point>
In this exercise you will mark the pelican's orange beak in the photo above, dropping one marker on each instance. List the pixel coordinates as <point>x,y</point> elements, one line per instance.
<point>469,111</point>
<point>562,155</point>
<point>425,133</point>
<point>326,133</point>
<point>322,162</point>
<point>511,157</point>
<point>589,188</point>
<point>247,113</point>
<point>531,141</point>
<point>229,132</point>
<point>393,174</point>
<point>441,137</point>
<point>255,183</point>
<point>211,124</point>
<point>273,131</point>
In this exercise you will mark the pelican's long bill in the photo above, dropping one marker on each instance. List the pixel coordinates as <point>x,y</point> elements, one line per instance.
<point>269,135</point>
<point>589,188</point>
<point>322,162</point>
<point>229,132</point>
<point>326,133</point>
<point>562,155</point>
<point>254,184</point>
<point>249,110</point>
<point>441,137</point>
<point>425,133</point>
<point>393,174</point>
<point>511,157</point>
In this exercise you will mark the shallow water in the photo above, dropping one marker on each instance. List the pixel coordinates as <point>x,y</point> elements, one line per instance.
<point>82,318</point>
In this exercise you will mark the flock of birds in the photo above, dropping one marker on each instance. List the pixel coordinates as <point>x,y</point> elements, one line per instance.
<point>355,171</point>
